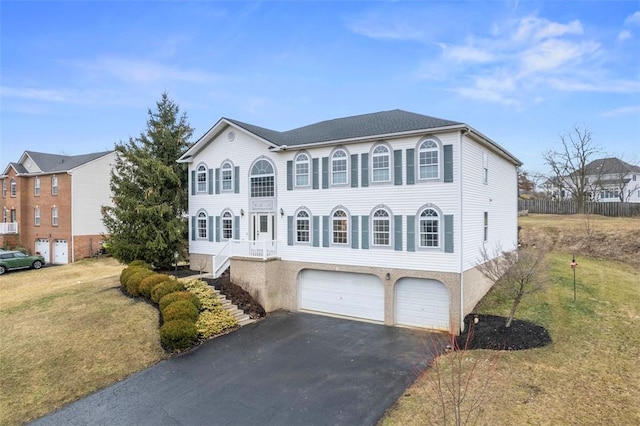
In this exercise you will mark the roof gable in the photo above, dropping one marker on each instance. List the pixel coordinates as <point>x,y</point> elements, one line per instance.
<point>49,163</point>
<point>610,166</point>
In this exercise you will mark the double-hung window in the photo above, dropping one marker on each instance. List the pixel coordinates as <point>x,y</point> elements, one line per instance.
<point>227,226</point>
<point>302,170</point>
<point>36,187</point>
<point>303,228</point>
<point>4,188</point>
<point>380,161</point>
<point>339,167</point>
<point>340,227</point>
<point>227,176</point>
<point>201,177</point>
<point>36,216</point>
<point>202,226</point>
<point>54,185</point>
<point>428,160</point>
<point>54,216</point>
<point>486,227</point>
<point>429,227</point>
<point>13,187</point>
<point>381,228</point>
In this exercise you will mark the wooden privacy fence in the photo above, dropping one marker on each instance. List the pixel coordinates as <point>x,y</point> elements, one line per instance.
<point>571,207</point>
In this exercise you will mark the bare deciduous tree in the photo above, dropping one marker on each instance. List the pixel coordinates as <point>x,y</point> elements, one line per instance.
<point>519,272</point>
<point>569,164</point>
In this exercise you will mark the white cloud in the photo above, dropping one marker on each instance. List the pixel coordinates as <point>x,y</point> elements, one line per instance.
<point>554,53</point>
<point>466,54</point>
<point>624,35</point>
<point>45,95</point>
<point>633,19</point>
<point>534,28</point>
<point>630,110</point>
<point>387,30</point>
<point>568,84</point>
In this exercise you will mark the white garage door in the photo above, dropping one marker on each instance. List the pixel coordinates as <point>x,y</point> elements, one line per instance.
<point>60,252</point>
<point>42,247</point>
<point>342,293</point>
<point>422,303</point>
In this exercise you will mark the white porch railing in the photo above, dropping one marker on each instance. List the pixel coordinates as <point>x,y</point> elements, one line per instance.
<point>242,248</point>
<point>8,227</point>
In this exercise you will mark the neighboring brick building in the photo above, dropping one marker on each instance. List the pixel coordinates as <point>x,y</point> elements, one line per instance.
<point>51,204</point>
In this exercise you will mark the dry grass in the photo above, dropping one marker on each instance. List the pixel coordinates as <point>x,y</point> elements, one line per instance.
<point>67,331</point>
<point>589,375</point>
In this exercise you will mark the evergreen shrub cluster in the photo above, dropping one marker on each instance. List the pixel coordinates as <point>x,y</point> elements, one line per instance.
<point>189,311</point>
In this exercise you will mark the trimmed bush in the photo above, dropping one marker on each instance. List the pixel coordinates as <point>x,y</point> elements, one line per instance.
<point>164,288</point>
<point>180,309</point>
<point>127,272</point>
<point>178,334</point>
<point>204,293</point>
<point>179,295</point>
<point>140,263</point>
<point>134,281</point>
<point>211,323</point>
<point>148,283</point>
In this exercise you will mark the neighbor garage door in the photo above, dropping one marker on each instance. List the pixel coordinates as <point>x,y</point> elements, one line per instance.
<point>42,247</point>
<point>60,251</point>
<point>422,303</point>
<point>341,293</point>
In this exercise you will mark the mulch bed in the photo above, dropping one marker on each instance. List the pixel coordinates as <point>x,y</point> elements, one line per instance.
<point>239,297</point>
<point>489,332</point>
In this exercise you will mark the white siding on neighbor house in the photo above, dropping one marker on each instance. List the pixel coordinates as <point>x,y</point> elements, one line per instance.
<point>498,198</point>
<point>90,190</point>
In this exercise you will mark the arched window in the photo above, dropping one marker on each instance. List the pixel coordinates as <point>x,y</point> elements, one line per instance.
<point>429,228</point>
<point>302,169</point>
<point>227,225</point>
<point>202,178</point>
<point>428,160</point>
<point>380,164</point>
<point>339,167</point>
<point>381,226</point>
<point>340,227</point>
<point>13,187</point>
<point>202,225</point>
<point>227,176</point>
<point>262,179</point>
<point>303,227</point>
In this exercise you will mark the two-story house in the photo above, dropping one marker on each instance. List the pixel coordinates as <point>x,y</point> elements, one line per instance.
<point>51,204</point>
<point>378,217</point>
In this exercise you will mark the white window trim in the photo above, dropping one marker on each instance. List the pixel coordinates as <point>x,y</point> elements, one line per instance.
<point>347,167</point>
<point>36,216</point>
<point>295,226</point>
<point>54,187</point>
<point>485,168</point>
<point>206,179</point>
<point>13,188</point>
<point>308,162</point>
<point>226,215</point>
<point>372,155</point>
<point>485,227</point>
<point>55,219</point>
<point>36,187</point>
<point>440,218</point>
<point>348,230</point>
<point>438,150</point>
<point>372,219</point>
<point>232,180</point>
<point>252,176</point>
<point>206,225</point>
<point>4,188</point>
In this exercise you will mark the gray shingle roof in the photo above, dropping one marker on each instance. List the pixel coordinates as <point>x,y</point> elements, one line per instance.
<point>59,163</point>
<point>358,126</point>
<point>607,166</point>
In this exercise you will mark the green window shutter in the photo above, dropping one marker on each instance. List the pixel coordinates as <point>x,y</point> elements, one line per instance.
<point>354,232</point>
<point>236,227</point>
<point>410,160</point>
<point>193,228</point>
<point>448,233</point>
<point>316,173</point>
<point>217,181</point>
<point>448,163</point>
<point>210,183</point>
<point>411,233</point>
<point>217,228</point>
<point>289,175</point>
<point>193,182</point>
<point>325,231</point>
<point>397,230</point>
<point>354,171</point>
<point>364,166</point>
<point>210,228</point>
<point>236,179</point>
<point>290,230</point>
<point>365,232</point>
<point>316,231</point>
<point>397,167</point>
<point>325,172</point>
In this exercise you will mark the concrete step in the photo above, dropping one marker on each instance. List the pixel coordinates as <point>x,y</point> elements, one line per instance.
<point>246,321</point>
<point>242,318</point>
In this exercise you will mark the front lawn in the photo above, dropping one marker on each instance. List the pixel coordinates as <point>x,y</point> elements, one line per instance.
<point>67,331</point>
<point>588,375</point>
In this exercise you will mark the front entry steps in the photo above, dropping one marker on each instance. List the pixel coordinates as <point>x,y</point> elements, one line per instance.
<point>243,319</point>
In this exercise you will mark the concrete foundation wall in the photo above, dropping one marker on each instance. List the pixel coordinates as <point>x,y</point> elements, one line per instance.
<point>199,261</point>
<point>274,284</point>
<point>476,285</point>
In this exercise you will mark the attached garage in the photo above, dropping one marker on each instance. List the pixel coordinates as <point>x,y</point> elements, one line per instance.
<point>422,303</point>
<point>60,251</point>
<point>347,294</point>
<point>42,247</point>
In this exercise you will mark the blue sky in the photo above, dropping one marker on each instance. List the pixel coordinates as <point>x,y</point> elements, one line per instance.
<point>77,77</point>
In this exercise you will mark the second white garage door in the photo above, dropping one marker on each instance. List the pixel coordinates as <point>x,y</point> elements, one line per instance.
<point>341,293</point>
<point>60,250</point>
<point>422,303</point>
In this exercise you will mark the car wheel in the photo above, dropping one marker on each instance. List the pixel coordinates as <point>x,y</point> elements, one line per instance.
<point>2,270</point>
<point>37,264</point>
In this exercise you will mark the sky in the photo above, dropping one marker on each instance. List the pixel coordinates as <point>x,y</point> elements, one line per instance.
<point>80,76</point>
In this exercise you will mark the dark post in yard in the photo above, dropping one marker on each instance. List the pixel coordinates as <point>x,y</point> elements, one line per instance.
<point>574,265</point>
<point>175,258</point>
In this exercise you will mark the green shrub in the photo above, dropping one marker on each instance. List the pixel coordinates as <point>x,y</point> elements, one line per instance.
<point>134,281</point>
<point>164,288</point>
<point>140,263</point>
<point>211,323</point>
<point>204,293</point>
<point>180,309</point>
<point>148,283</point>
<point>179,295</point>
<point>178,334</point>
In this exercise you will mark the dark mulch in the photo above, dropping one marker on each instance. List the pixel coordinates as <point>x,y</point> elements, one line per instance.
<point>489,332</point>
<point>238,296</point>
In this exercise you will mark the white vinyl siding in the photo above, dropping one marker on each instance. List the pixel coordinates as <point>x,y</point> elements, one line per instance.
<point>90,190</point>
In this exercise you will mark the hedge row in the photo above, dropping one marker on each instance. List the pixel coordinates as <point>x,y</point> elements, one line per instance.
<point>189,311</point>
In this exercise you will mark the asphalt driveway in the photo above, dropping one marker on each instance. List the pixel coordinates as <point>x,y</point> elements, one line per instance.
<point>290,368</point>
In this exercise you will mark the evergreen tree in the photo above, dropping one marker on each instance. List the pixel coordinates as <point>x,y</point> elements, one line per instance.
<point>147,220</point>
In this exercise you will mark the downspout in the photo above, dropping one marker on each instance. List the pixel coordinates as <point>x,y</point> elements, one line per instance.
<point>460,203</point>
<point>73,243</point>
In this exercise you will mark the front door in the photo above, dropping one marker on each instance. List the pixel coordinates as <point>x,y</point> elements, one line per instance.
<point>264,227</point>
